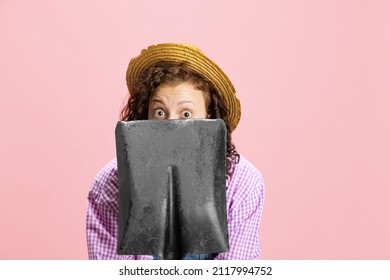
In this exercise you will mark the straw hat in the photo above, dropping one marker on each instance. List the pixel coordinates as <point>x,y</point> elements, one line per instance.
<point>197,62</point>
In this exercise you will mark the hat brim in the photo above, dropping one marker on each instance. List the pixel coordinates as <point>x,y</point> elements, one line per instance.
<point>196,61</point>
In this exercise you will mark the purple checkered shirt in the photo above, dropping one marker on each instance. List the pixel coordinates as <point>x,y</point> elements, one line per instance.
<point>244,197</point>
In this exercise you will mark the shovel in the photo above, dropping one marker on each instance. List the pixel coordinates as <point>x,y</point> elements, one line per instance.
<point>172,187</point>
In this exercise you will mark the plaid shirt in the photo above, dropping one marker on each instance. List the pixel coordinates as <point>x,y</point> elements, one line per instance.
<point>244,197</point>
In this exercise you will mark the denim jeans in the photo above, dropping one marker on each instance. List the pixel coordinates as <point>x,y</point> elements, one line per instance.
<point>193,257</point>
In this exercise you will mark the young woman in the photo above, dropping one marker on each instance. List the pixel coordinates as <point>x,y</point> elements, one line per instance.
<point>177,81</point>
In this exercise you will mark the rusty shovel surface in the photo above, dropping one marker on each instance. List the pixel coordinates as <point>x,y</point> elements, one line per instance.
<point>172,187</point>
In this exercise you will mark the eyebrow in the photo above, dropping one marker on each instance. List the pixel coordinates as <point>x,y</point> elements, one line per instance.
<point>156,100</point>
<point>182,102</point>
<point>179,103</point>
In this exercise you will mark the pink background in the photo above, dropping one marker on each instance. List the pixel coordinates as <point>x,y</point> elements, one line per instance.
<point>314,82</point>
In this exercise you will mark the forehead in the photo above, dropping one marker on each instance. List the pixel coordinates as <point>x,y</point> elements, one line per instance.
<point>177,90</point>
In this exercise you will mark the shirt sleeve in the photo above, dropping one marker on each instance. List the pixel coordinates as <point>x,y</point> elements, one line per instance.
<point>102,220</point>
<point>244,216</point>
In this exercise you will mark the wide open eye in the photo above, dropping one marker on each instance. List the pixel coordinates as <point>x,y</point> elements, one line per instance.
<point>159,113</point>
<point>186,114</point>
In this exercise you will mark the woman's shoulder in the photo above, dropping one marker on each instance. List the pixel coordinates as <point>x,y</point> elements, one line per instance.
<point>108,171</point>
<point>245,170</point>
<point>105,183</point>
<point>247,181</point>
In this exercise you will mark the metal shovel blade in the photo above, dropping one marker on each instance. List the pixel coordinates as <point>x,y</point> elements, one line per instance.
<point>172,187</point>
